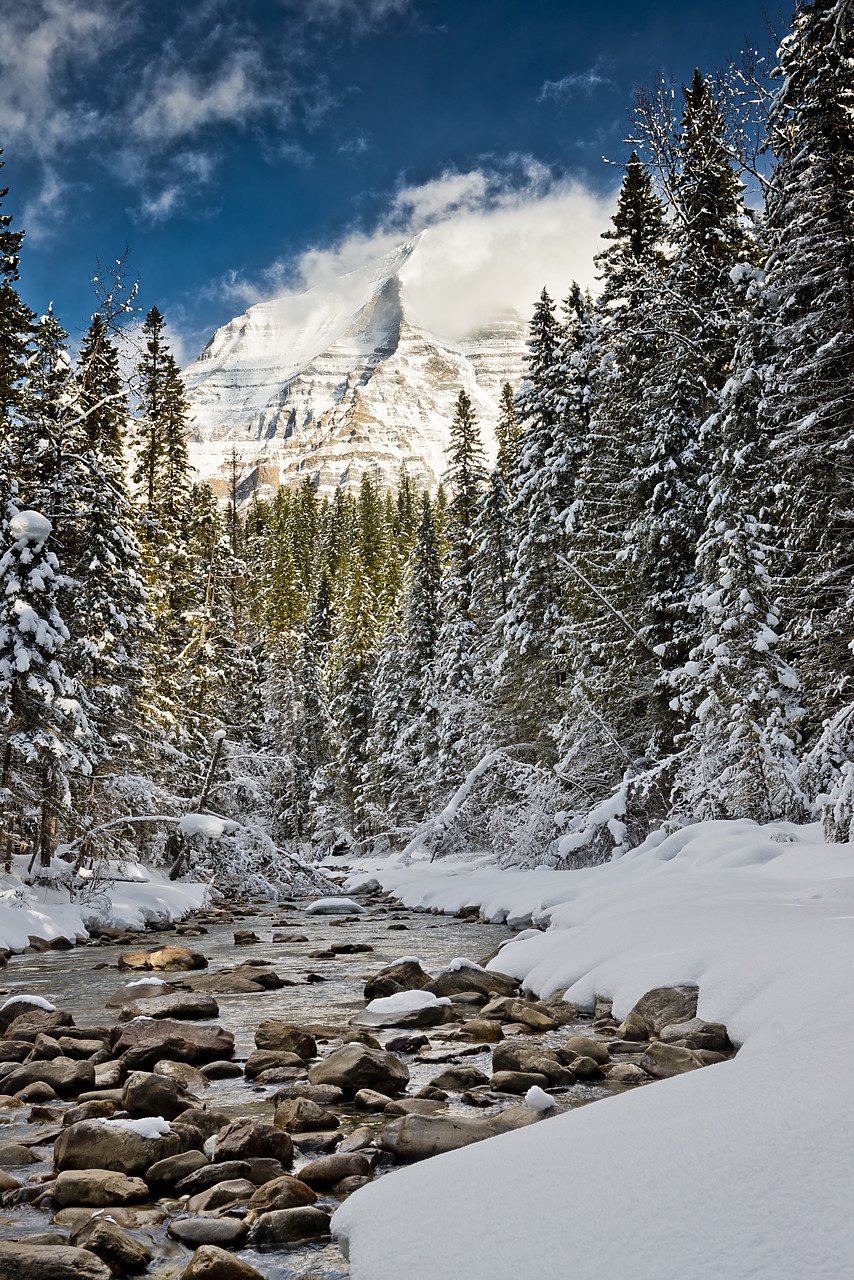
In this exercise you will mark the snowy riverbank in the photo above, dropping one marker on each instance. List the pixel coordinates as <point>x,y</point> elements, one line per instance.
<point>126,896</point>
<point>739,1170</point>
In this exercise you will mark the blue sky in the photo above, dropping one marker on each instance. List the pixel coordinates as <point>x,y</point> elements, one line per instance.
<point>240,149</point>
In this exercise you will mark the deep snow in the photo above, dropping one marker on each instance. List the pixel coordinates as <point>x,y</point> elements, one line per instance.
<point>739,1170</point>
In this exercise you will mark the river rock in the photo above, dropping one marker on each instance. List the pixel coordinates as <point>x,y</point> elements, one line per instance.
<point>301,1115</point>
<point>404,975</point>
<point>586,1069</point>
<point>15,1155</point>
<point>207,1176</point>
<point>222,1195</point>
<point>145,1056</point>
<point>212,1043</point>
<point>123,1254</point>
<point>480,1031</point>
<point>212,1263</point>
<point>245,937</point>
<point>251,1139</point>
<point>413,1106</point>
<point>227,1233</point>
<point>222,1070</point>
<point>633,1027</point>
<point>185,1076</point>
<point>14,1050</point>
<point>66,1077</point>
<point>168,1172</point>
<point>328,1170</point>
<point>264,1060</point>
<point>50,1262</point>
<point>451,982</point>
<point>96,1144</point>
<point>507,1009</point>
<point>176,959</point>
<point>284,1037</point>
<point>664,1060</point>
<point>284,1226</point>
<point>587,1047</point>
<point>663,1006</point>
<point>325,1095</point>
<point>23,1011</point>
<point>698,1034</point>
<point>513,1057</point>
<point>415,1137</point>
<point>148,1094</point>
<point>355,1066</point>
<point>286,1192</point>
<point>98,1188</point>
<point>192,1005</point>
<point>208,1120</point>
<point>371,1100</point>
<point>517,1081</point>
<point>135,991</point>
<point>334,907</point>
<point>458,1079</point>
<point>628,1073</point>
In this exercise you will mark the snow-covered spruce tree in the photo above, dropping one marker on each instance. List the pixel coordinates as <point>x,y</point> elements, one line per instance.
<point>606,725</point>
<point>737,688</point>
<point>508,434</point>
<point>528,680</point>
<point>16,327</point>
<point>710,238</point>
<point>107,614</point>
<point>353,663</point>
<point>809,394</point>
<point>459,718</point>
<point>45,734</point>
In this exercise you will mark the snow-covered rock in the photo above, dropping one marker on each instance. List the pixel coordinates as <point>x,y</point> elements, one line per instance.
<point>341,380</point>
<point>334,907</point>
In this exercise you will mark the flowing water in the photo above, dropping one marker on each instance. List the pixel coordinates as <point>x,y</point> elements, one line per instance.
<point>326,992</point>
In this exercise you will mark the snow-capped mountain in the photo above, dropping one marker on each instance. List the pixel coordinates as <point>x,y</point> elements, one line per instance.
<point>339,380</point>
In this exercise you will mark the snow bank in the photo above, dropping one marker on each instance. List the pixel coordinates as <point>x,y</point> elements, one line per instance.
<point>742,1169</point>
<point>47,911</point>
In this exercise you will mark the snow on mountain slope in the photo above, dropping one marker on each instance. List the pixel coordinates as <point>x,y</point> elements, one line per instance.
<point>341,380</point>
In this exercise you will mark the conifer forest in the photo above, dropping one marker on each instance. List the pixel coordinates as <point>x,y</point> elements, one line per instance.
<point>641,614</point>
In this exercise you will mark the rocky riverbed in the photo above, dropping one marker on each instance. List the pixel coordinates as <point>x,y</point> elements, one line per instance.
<point>197,1101</point>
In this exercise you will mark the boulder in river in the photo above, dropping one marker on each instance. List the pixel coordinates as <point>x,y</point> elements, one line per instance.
<point>286,1192</point>
<point>122,1252</point>
<point>512,1057</point>
<point>355,1066</point>
<point>507,1009</point>
<point>285,1226</point>
<point>23,1261</point>
<point>403,975</point>
<point>148,1094</point>
<point>663,1006</point>
<point>212,1043</point>
<point>67,1077</point>
<point>192,1005</point>
<point>335,907</point>
<point>226,1233</point>
<point>171,958</point>
<point>328,1170</point>
<point>284,1037</point>
<point>98,1188</point>
<point>664,1060</point>
<point>124,1146</point>
<point>587,1047</point>
<point>453,981</point>
<point>301,1115</point>
<point>212,1263</point>
<point>139,990</point>
<point>249,1139</point>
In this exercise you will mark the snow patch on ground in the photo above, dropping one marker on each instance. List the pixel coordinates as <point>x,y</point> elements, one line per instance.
<point>741,1169</point>
<point>48,911</point>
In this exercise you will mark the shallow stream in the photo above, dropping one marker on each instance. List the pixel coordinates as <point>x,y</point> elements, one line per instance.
<point>75,982</point>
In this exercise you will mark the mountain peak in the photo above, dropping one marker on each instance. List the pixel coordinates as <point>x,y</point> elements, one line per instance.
<point>338,380</point>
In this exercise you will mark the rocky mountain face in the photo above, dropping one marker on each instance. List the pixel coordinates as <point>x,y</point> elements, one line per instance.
<point>339,381</point>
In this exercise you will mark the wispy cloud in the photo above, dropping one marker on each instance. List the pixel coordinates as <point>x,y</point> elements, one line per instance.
<point>576,84</point>
<point>176,102</point>
<point>42,43</point>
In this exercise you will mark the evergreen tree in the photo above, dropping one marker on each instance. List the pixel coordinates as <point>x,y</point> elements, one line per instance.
<point>16,327</point>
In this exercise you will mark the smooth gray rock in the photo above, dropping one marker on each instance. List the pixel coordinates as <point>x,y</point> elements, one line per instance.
<point>209,1262</point>
<point>355,1066</point>
<point>284,1226</point>
<point>50,1262</point>
<point>97,1188</point>
<point>227,1233</point>
<point>664,1060</point>
<point>663,1006</point>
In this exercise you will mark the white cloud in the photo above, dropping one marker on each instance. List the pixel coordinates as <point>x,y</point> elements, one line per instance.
<point>488,243</point>
<point>359,14</point>
<point>40,41</point>
<point>175,101</point>
<point>583,83</point>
